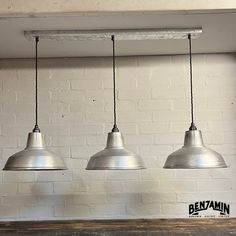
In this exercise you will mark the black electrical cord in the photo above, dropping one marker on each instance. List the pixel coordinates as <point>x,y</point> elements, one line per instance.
<point>36,128</point>
<point>192,127</point>
<point>115,128</point>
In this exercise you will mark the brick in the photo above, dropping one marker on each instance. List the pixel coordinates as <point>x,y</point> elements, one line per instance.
<point>64,152</point>
<point>138,186</point>
<point>224,149</point>
<point>69,118</point>
<point>8,212</point>
<point>170,138</point>
<point>99,95</point>
<point>135,94</point>
<point>193,174</point>
<point>28,98</point>
<point>47,176</point>
<point>121,82</point>
<point>178,185</point>
<point>123,175</point>
<point>178,126</point>
<point>222,126</point>
<point>88,105</point>
<point>76,163</point>
<point>108,186</point>
<point>8,118</point>
<point>85,151</point>
<point>229,137</point>
<point>75,115</point>
<point>138,139</point>
<point>121,106</point>
<point>36,212</point>
<point>58,107</point>
<point>214,185</point>
<point>69,187</point>
<point>55,129</point>
<point>124,197</point>
<point>228,197</point>
<point>190,197</point>
<point>62,73</point>
<point>8,189</point>
<point>125,128</point>
<point>54,84</point>
<point>86,129</point>
<point>84,84</point>
<point>24,119</point>
<point>174,209</point>
<point>8,142</point>
<point>152,128</point>
<point>221,174</point>
<point>168,93</point>
<point>158,197</point>
<point>17,108</point>
<point>209,115</point>
<point>98,72</point>
<point>135,117</point>
<point>72,211</point>
<point>155,150</point>
<point>151,209</point>
<point>96,139</point>
<point>17,201</point>
<point>22,176</point>
<point>156,174</point>
<point>85,175</point>
<point>171,116</point>
<point>35,188</point>
<point>68,140</point>
<point>153,61</point>
<point>7,152</point>
<point>226,104</point>
<point>150,105</point>
<point>68,96</point>
<point>50,200</point>
<point>213,138</point>
<point>8,97</point>
<point>99,117</point>
<point>86,198</point>
<point>9,79</point>
<point>108,210</point>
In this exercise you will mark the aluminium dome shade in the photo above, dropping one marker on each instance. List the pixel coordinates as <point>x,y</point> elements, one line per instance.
<point>194,154</point>
<point>115,156</point>
<point>35,157</point>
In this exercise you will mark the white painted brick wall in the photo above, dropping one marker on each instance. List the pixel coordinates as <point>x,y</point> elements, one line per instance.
<point>75,114</point>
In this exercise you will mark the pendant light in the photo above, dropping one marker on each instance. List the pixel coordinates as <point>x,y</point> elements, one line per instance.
<point>115,156</point>
<point>35,156</point>
<point>194,154</point>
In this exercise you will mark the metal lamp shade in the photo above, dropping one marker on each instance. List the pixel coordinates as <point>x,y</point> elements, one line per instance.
<point>115,156</point>
<point>194,154</point>
<point>35,157</point>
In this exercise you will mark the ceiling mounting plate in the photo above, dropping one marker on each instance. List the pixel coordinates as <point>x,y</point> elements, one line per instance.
<point>120,34</point>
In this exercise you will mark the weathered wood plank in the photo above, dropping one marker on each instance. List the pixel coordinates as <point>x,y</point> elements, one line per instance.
<point>195,227</point>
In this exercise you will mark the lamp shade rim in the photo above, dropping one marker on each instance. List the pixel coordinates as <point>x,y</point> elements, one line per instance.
<point>34,168</point>
<point>194,167</point>
<point>115,168</point>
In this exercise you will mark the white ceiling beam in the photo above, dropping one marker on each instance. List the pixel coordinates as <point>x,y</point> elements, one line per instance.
<point>14,8</point>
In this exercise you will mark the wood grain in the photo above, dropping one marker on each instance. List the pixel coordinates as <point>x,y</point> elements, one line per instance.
<point>198,227</point>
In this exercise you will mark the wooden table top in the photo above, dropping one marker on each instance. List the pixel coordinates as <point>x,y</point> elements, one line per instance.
<point>198,227</point>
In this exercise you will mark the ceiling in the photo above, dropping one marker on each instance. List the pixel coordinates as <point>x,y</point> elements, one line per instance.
<point>219,34</point>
